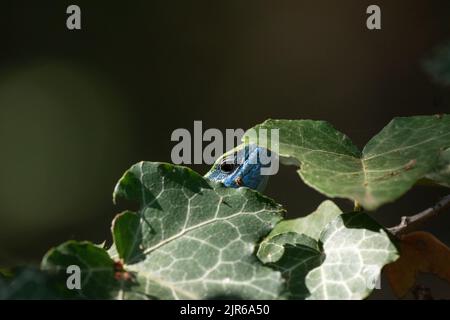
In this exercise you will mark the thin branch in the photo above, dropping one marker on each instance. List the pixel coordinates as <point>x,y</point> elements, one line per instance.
<point>410,223</point>
<point>357,207</point>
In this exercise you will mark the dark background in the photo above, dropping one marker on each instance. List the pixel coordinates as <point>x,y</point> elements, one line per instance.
<point>77,108</point>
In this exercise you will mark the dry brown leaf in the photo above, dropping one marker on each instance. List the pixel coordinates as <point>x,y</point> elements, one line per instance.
<point>419,252</point>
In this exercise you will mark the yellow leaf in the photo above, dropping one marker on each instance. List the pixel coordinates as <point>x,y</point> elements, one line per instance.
<point>419,252</point>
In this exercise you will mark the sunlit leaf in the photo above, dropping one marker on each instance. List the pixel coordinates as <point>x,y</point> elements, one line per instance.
<point>344,262</point>
<point>192,238</point>
<point>406,150</point>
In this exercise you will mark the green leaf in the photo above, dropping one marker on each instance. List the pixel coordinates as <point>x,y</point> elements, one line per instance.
<point>344,262</point>
<point>27,283</point>
<point>127,236</point>
<point>441,174</point>
<point>311,225</point>
<point>356,249</point>
<point>96,266</point>
<point>193,238</point>
<point>295,255</point>
<point>405,151</point>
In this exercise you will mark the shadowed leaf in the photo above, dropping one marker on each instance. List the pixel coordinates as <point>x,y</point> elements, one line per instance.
<point>419,252</point>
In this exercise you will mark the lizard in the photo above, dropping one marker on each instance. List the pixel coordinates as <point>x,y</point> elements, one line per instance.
<point>241,167</point>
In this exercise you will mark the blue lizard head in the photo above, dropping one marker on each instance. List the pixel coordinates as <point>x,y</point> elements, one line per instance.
<point>241,167</point>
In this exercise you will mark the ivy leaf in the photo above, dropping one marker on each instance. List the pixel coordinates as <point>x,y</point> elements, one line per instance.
<point>344,262</point>
<point>97,275</point>
<point>193,238</point>
<point>419,252</point>
<point>27,283</point>
<point>441,174</point>
<point>356,249</point>
<point>311,225</point>
<point>295,255</point>
<point>97,270</point>
<point>405,151</point>
<point>127,237</point>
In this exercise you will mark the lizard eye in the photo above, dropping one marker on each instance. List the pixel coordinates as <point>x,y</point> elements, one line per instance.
<point>227,166</point>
